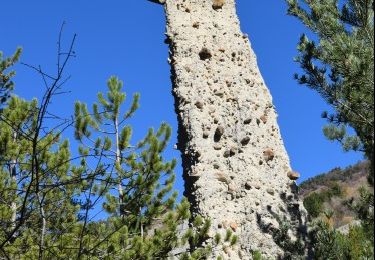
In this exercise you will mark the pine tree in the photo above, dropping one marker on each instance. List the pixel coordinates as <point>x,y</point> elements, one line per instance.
<point>34,205</point>
<point>129,183</point>
<point>6,85</point>
<point>339,65</point>
<point>114,200</point>
<point>135,188</point>
<point>36,186</point>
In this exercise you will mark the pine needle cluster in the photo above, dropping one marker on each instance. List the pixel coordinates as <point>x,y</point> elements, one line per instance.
<point>339,65</point>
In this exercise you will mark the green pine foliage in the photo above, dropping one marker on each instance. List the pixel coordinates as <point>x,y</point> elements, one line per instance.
<point>133,183</point>
<point>314,202</point>
<point>353,241</point>
<point>6,84</point>
<point>364,208</point>
<point>339,65</point>
<point>331,244</point>
<point>257,255</point>
<point>35,204</point>
<point>135,189</point>
<point>115,200</point>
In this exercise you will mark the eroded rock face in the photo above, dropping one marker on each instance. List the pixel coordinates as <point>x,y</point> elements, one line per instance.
<point>235,164</point>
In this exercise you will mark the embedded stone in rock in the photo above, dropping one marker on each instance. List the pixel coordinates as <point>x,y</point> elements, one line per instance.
<point>232,188</point>
<point>218,4</point>
<point>217,147</point>
<point>199,104</point>
<point>205,54</point>
<point>219,93</point>
<point>228,251</point>
<point>271,192</point>
<point>225,224</point>
<point>234,226</point>
<point>264,119</point>
<point>212,109</point>
<point>222,177</point>
<point>245,141</point>
<point>293,175</point>
<point>248,185</point>
<point>158,1</point>
<point>195,174</point>
<point>247,121</point>
<point>206,134</point>
<point>269,154</point>
<point>232,151</point>
<point>219,133</point>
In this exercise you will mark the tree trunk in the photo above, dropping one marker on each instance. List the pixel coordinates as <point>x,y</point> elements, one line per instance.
<point>13,174</point>
<point>118,159</point>
<point>235,164</point>
<point>43,226</point>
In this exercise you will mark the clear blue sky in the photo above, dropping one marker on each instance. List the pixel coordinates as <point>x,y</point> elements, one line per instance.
<point>125,38</point>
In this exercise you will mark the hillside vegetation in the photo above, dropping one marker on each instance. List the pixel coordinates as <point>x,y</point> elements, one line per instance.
<point>331,194</point>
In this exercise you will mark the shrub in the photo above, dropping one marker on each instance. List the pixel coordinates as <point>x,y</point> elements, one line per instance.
<point>314,204</point>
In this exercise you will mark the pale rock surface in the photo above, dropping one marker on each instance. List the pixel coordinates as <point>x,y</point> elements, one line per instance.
<point>235,164</point>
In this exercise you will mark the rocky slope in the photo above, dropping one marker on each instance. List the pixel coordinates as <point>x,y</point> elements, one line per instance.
<point>334,191</point>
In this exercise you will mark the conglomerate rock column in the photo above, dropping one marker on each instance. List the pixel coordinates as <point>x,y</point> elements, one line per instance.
<point>236,169</point>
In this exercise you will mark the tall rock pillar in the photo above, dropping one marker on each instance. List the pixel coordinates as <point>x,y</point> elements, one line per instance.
<point>235,165</point>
